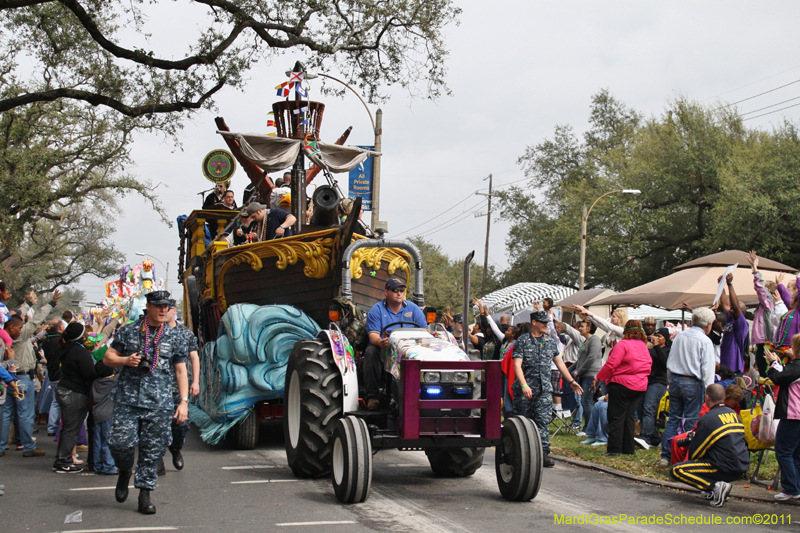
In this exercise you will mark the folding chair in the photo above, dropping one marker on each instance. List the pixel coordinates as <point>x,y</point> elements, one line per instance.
<point>762,456</point>
<point>564,420</point>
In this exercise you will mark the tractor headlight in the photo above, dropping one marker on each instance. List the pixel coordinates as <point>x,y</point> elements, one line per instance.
<point>460,377</point>
<point>430,377</point>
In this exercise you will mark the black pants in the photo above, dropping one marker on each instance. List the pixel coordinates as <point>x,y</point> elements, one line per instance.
<point>701,474</point>
<point>74,408</point>
<point>374,360</point>
<point>761,361</point>
<point>622,403</point>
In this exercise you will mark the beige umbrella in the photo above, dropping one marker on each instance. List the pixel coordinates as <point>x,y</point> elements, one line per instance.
<point>731,257</point>
<point>695,286</point>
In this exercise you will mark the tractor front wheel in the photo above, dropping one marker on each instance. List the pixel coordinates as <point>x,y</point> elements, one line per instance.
<point>518,460</point>
<point>351,460</point>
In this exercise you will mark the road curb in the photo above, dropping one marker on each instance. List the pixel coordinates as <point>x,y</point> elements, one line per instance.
<point>651,481</point>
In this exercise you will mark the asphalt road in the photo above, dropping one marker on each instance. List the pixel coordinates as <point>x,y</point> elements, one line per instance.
<point>245,491</point>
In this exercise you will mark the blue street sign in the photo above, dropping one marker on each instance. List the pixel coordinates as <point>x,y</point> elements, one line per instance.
<point>360,183</point>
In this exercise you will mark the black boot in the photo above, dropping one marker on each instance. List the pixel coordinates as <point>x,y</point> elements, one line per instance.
<point>547,462</point>
<point>177,459</point>
<point>121,492</point>
<point>145,506</point>
<point>162,471</point>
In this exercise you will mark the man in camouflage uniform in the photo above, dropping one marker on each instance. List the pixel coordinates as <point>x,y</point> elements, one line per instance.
<point>179,430</point>
<point>143,405</point>
<point>533,353</point>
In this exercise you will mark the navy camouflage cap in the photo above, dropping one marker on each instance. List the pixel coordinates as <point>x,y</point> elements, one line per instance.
<point>158,297</point>
<point>539,316</point>
<point>458,317</point>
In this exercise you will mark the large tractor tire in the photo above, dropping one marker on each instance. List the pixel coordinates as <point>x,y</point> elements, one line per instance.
<point>351,460</point>
<point>518,460</point>
<point>244,435</point>
<point>312,406</point>
<point>455,462</point>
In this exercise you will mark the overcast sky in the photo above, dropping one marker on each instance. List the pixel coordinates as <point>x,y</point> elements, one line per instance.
<point>516,69</point>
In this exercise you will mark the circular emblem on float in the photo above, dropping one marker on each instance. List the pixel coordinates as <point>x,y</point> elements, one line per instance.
<point>219,166</point>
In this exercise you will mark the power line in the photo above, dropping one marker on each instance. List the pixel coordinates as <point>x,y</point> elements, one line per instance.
<point>761,94</point>
<point>767,107</point>
<point>460,217</point>
<point>437,216</point>
<point>754,82</point>
<point>771,112</point>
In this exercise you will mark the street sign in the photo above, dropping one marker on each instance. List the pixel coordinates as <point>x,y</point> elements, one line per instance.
<point>360,183</point>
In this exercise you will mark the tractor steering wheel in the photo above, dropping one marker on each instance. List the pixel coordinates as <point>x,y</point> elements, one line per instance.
<point>387,326</point>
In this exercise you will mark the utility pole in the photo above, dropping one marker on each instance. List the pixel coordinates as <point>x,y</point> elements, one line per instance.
<point>488,227</point>
<point>376,170</point>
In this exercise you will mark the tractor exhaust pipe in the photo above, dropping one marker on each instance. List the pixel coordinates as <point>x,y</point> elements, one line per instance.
<point>464,328</point>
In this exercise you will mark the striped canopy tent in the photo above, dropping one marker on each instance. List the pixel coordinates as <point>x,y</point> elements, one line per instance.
<point>522,295</point>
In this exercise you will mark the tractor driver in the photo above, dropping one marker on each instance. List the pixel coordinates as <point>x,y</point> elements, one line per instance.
<point>394,308</point>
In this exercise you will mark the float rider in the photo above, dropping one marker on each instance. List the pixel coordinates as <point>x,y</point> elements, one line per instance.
<point>394,308</point>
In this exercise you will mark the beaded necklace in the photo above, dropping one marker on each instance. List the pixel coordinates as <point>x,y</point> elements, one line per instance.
<point>159,333</point>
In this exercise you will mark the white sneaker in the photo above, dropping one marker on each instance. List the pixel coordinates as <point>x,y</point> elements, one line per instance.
<point>782,497</point>
<point>581,434</point>
<point>720,494</point>
<point>600,443</point>
<point>663,462</point>
<point>641,443</point>
<point>590,440</point>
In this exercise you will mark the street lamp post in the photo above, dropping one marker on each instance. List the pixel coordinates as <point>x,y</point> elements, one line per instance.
<point>166,268</point>
<point>583,228</point>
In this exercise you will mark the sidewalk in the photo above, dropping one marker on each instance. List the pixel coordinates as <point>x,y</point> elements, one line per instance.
<point>742,489</point>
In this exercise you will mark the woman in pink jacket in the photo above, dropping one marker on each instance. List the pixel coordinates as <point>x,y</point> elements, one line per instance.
<point>625,375</point>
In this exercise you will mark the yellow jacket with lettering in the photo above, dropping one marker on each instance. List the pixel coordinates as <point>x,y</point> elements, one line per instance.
<point>719,439</point>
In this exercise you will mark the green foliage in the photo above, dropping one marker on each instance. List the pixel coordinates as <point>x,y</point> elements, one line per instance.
<point>708,184</point>
<point>62,166</point>
<point>80,50</point>
<point>444,278</point>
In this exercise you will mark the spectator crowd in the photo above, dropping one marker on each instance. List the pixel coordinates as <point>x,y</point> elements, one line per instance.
<point>712,374</point>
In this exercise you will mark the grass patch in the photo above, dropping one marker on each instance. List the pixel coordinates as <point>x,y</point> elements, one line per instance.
<point>643,464</point>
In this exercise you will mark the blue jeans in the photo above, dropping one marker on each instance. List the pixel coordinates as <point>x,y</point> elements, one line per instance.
<point>587,400</point>
<point>54,417</point>
<point>686,397</point>
<point>103,462</point>
<point>648,409</point>
<point>24,410</point>
<point>787,453</point>
<point>597,427</point>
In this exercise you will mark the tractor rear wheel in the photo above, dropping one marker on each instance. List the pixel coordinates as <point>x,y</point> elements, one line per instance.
<point>351,460</point>
<point>518,460</point>
<point>455,462</point>
<point>312,405</point>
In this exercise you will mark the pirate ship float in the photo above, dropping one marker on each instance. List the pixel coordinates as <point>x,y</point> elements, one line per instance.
<point>303,271</point>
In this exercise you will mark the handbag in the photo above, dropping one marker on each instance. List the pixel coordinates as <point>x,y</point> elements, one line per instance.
<point>751,419</point>
<point>768,425</point>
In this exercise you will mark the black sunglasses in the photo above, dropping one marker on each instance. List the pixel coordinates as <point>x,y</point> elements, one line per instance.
<point>397,290</point>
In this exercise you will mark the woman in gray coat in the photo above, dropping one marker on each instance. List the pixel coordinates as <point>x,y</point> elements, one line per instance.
<point>590,360</point>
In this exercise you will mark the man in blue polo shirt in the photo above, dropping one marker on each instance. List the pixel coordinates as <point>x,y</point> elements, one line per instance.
<point>392,309</point>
